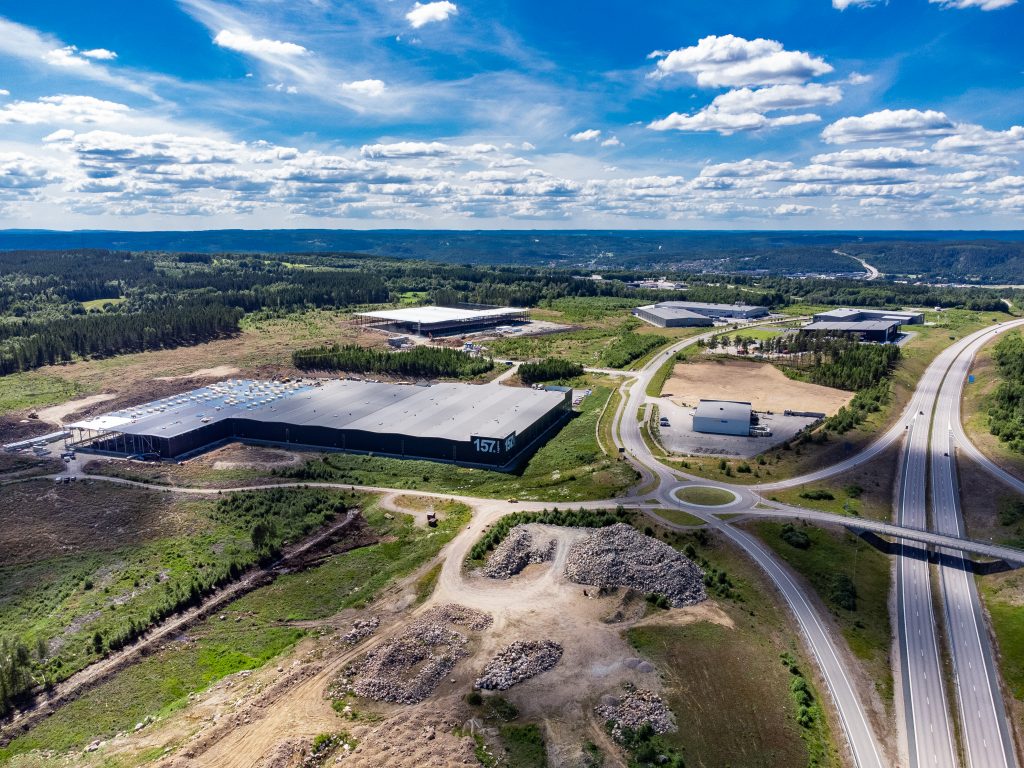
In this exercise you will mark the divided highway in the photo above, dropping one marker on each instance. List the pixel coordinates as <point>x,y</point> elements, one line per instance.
<point>983,723</point>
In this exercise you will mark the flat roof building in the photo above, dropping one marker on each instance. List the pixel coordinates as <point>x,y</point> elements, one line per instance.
<point>667,314</point>
<point>478,425</point>
<point>856,315</point>
<point>671,317</point>
<point>442,321</point>
<point>881,331</point>
<point>722,417</point>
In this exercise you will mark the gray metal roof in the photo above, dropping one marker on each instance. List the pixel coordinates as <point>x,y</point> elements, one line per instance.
<point>855,327</point>
<point>708,306</point>
<point>668,311</point>
<point>449,411</point>
<point>434,314</point>
<point>852,314</point>
<point>732,410</point>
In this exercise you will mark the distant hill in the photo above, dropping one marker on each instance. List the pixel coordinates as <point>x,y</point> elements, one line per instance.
<point>993,257</point>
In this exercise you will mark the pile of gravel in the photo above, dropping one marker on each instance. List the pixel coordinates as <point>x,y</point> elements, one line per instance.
<point>360,630</point>
<point>406,669</point>
<point>519,661</point>
<point>636,708</point>
<point>621,556</point>
<point>521,547</point>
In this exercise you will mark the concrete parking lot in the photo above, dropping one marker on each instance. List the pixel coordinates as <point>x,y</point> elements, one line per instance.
<point>680,438</point>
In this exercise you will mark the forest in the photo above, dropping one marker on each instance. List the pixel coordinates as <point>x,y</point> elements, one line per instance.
<point>63,305</point>
<point>996,257</point>
<point>418,362</point>
<point>549,369</point>
<point>1006,406</point>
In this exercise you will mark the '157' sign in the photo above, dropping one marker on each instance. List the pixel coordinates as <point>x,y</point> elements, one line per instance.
<point>492,445</point>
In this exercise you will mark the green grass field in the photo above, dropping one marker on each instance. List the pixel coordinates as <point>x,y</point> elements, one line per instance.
<point>254,631</point>
<point>153,550</point>
<point>99,304</point>
<point>678,517</point>
<point>706,496</point>
<point>31,390</point>
<point>828,556</point>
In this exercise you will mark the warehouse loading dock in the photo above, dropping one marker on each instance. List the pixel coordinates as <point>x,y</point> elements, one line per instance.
<point>474,425</point>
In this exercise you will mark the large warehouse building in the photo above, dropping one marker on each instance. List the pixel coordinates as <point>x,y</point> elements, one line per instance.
<point>858,315</point>
<point>722,417</point>
<point>477,425</point>
<point>674,314</point>
<point>442,321</point>
<point>881,331</point>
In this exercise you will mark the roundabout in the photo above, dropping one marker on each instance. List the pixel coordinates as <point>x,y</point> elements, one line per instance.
<point>705,496</point>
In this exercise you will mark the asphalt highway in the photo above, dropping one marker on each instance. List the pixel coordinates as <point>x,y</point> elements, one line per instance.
<point>983,723</point>
<point>863,743</point>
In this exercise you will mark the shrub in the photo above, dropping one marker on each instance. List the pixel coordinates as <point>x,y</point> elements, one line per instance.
<point>817,495</point>
<point>795,537</point>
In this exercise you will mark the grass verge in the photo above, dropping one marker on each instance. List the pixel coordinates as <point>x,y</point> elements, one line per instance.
<point>852,579</point>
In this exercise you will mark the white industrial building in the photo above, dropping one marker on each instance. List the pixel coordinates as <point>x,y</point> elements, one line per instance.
<point>722,417</point>
<point>443,321</point>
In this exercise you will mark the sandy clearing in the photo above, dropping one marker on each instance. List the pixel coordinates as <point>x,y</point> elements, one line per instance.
<point>204,373</point>
<point>763,385</point>
<point>56,414</point>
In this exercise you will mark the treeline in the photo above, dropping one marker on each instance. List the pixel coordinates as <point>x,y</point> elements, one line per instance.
<point>1006,406</point>
<point>26,344</point>
<point>16,665</point>
<point>629,346</point>
<point>418,362</point>
<point>549,369</point>
<point>841,362</point>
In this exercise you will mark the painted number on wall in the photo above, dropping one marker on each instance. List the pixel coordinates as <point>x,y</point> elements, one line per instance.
<point>486,445</point>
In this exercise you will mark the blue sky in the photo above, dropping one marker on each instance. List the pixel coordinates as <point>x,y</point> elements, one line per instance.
<point>469,114</point>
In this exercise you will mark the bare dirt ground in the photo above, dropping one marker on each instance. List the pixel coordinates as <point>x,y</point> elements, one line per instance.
<point>57,414</point>
<point>242,456</point>
<point>217,372</point>
<point>270,716</point>
<point>40,519</point>
<point>761,384</point>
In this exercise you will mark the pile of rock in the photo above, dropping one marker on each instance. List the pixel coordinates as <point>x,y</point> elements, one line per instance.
<point>522,546</point>
<point>621,556</point>
<point>406,669</point>
<point>519,661</point>
<point>635,709</point>
<point>361,629</point>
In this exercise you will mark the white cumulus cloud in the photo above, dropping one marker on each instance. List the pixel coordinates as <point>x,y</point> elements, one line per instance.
<point>588,135</point>
<point>907,125</point>
<point>364,87</point>
<point>728,60</point>
<point>725,122</point>
<point>428,13</point>
<point>100,54</point>
<point>62,109</point>
<point>611,141</point>
<point>243,42</point>
<point>777,97</point>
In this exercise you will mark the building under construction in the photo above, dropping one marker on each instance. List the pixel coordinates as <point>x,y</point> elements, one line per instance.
<point>443,321</point>
<point>485,425</point>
